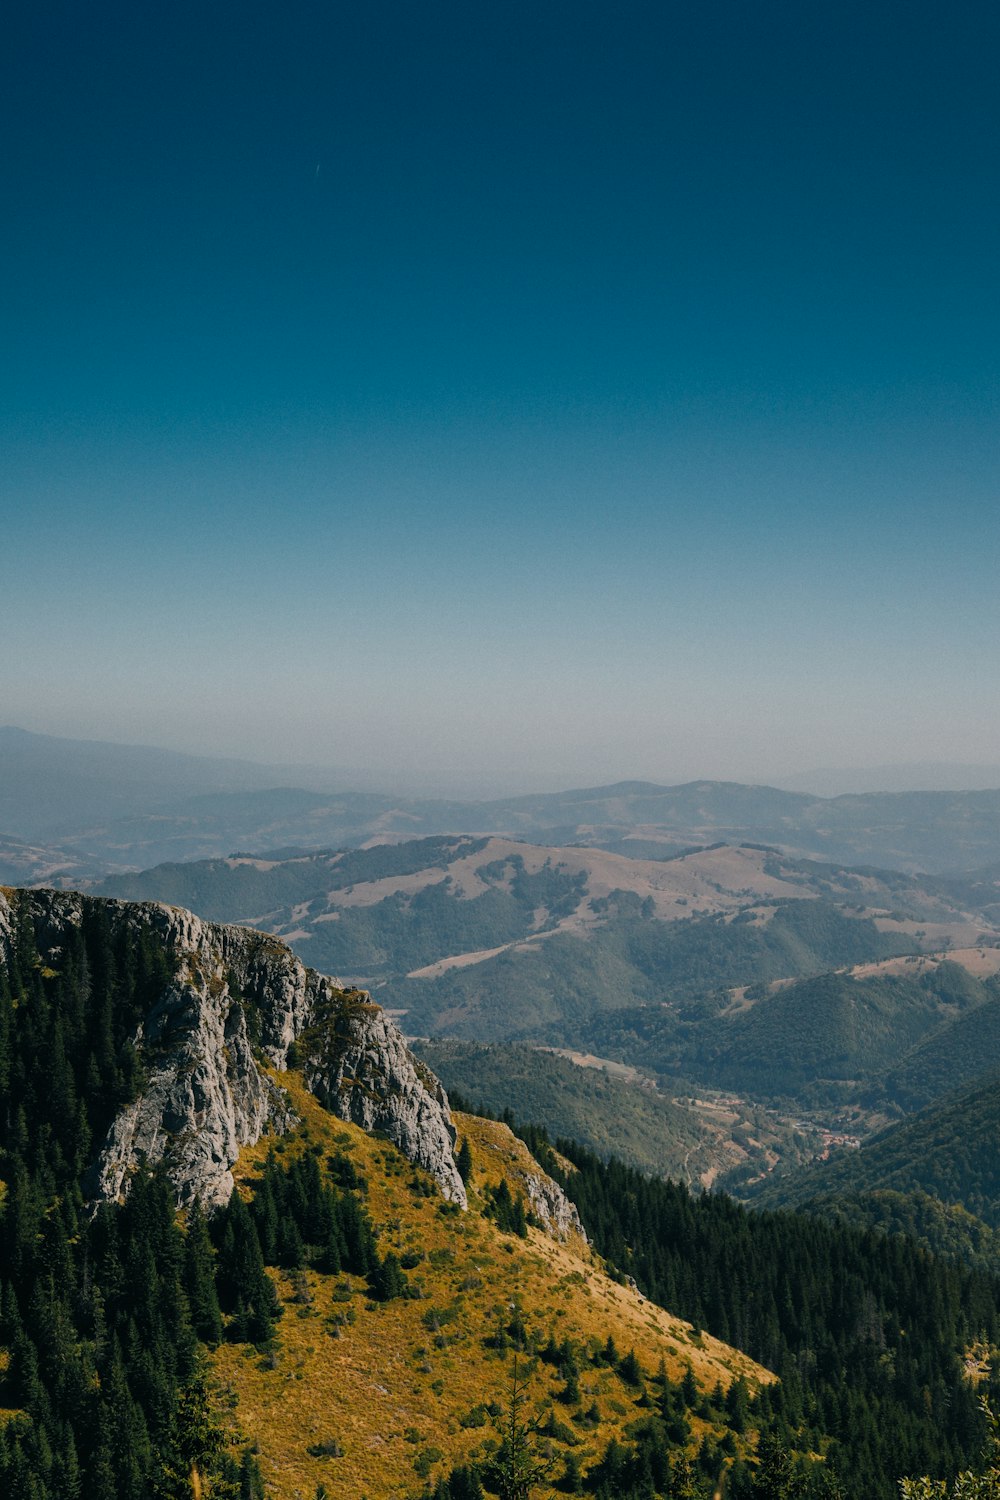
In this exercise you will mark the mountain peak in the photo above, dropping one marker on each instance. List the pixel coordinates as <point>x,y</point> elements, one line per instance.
<point>236,1009</point>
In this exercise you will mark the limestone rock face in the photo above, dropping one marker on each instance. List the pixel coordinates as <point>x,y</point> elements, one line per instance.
<point>551,1206</point>
<point>545,1198</point>
<point>235,991</point>
<point>359,1067</point>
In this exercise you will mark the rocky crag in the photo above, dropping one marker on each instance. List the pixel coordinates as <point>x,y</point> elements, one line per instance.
<point>240,1009</point>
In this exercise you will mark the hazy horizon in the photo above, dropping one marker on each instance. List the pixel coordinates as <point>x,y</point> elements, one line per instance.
<point>519,399</point>
<point>411,783</point>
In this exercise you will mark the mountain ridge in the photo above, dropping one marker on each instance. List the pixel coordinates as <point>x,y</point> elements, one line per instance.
<point>492,939</point>
<point>204,1095</point>
<point>128,807</point>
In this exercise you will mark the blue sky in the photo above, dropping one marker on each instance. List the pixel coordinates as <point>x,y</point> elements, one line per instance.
<point>525,393</point>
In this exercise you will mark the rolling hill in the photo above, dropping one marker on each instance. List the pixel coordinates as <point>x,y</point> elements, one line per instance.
<point>694,966</point>
<point>842,1027</point>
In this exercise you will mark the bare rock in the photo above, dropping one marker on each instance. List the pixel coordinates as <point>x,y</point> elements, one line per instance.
<point>358,1066</point>
<point>238,996</point>
<point>551,1207</point>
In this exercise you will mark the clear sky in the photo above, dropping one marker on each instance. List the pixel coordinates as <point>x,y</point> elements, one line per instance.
<point>542,393</point>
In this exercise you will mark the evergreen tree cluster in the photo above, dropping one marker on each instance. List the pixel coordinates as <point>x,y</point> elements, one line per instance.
<point>295,1220</point>
<point>67,1061</point>
<point>506,1211</point>
<point>101,1316</point>
<point>658,1458</point>
<point>866,1333</point>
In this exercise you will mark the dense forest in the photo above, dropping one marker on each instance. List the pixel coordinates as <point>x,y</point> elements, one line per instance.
<point>951,1057</point>
<point>890,1037</point>
<point>950,1151</point>
<point>945,1229</point>
<point>105,1316</point>
<point>869,1333</point>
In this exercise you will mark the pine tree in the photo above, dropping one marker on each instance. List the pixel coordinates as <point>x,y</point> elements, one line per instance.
<point>388,1279</point>
<point>199,1278</point>
<point>245,1289</point>
<point>517,1468</point>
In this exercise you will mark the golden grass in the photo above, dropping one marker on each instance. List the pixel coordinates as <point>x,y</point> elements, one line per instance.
<point>398,1379</point>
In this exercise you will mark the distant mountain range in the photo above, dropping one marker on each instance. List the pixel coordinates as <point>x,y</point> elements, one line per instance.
<point>113,807</point>
<point>50,785</point>
<point>925,776</point>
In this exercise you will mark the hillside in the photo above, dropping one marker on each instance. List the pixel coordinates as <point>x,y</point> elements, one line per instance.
<point>443,920</point>
<point>679,965</point>
<point>46,864</point>
<point>951,1152</point>
<point>638,1124</point>
<point>938,832</point>
<point>328,1242</point>
<point>841,1027</point>
<point>49,785</point>
<point>246,1251</point>
<point>943,1229</point>
<point>948,1058</point>
<point>402,1387</point>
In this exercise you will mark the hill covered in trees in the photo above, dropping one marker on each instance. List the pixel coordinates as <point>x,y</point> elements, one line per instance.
<point>675,964</point>
<point>339,1323</point>
<point>616,1114</point>
<point>950,1151</point>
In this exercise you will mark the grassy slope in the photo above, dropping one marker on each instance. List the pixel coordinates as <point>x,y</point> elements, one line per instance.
<point>385,1382</point>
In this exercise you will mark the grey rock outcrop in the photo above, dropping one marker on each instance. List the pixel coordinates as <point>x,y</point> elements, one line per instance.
<point>235,993</point>
<point>546,1199</point>
<point>551,1207</point>
<point>359,1067</point>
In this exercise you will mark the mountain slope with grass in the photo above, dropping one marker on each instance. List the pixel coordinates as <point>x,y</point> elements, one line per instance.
<point>327,1225</point>
<point>375,1396</point>
<point>246,1251</point>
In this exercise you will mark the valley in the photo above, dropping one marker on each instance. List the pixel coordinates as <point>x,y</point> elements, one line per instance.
<point>805,986</point>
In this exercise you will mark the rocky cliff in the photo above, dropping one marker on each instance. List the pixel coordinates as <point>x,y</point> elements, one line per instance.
<point>239,1009</point>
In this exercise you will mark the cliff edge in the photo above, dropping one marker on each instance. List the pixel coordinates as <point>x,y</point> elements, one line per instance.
<point>238,1009</point>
